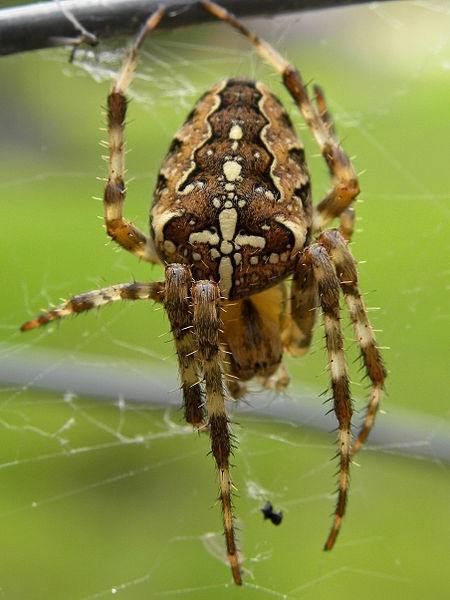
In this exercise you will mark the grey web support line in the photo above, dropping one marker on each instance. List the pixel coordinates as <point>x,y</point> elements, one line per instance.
<point>398,432</point>
<point>48,24</point>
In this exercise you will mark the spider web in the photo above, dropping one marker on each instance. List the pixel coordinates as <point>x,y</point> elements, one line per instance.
<point>105,491</point>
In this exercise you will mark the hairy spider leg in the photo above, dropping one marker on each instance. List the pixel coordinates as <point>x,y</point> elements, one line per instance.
<point>345,185</point>
<point>119,229</point>
<point>303,308</point>
<point>177,303</point>
<point>206,307</point>
<point>315,268</point>
<point>347,215</point>
<point>348,275</point>
<point>98,298</point>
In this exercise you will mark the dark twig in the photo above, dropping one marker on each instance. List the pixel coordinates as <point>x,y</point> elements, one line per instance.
<point>46,24</point>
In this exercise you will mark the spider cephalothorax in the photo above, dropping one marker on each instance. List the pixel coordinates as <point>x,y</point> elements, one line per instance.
<point>232,220</point>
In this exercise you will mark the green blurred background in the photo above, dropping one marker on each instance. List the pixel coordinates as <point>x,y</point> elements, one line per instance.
<point>110,498</point>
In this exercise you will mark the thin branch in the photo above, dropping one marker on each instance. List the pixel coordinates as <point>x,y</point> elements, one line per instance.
<point>401,432</point>
<point>47,24</point>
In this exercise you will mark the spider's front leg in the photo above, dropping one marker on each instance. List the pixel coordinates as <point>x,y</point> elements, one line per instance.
<point>206,321</point>
<point>348,277</point>
<point>97,299</point>
<point>315,268</point>
<point>345,186</point>
<point>177,304</point>
<point>119,229</point>
<point>327,266</point>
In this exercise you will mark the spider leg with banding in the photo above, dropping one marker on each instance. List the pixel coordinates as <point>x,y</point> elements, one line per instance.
<point>328,265</point>
<point>348,276</point>
<point>98,298</point>
<point>193,308</point>
<point>178,306</point>
<point>345,185</point>
<point>206,320</point>
<point>120,230</point>
<point>316,267</point>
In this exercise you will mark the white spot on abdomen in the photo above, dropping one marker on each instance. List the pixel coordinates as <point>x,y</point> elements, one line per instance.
<point>235,132</point>
<point>232,170</point>
<point>274,258</point>
<point>226,276</point>
<point>169,246</point>
<point>255,241</point>
<point>204,237</point>
<point>226,247</point>
<point>228,221</point>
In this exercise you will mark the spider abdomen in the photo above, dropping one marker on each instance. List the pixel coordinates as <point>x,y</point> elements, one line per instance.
<point>233,194</point>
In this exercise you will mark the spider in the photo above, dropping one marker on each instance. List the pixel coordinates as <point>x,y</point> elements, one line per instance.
<point>248,259</point>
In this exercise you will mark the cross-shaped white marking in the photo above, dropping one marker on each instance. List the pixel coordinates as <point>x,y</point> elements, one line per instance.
<point>230,241</point>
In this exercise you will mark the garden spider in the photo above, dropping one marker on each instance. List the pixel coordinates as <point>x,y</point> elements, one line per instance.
<point>232,220</point>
